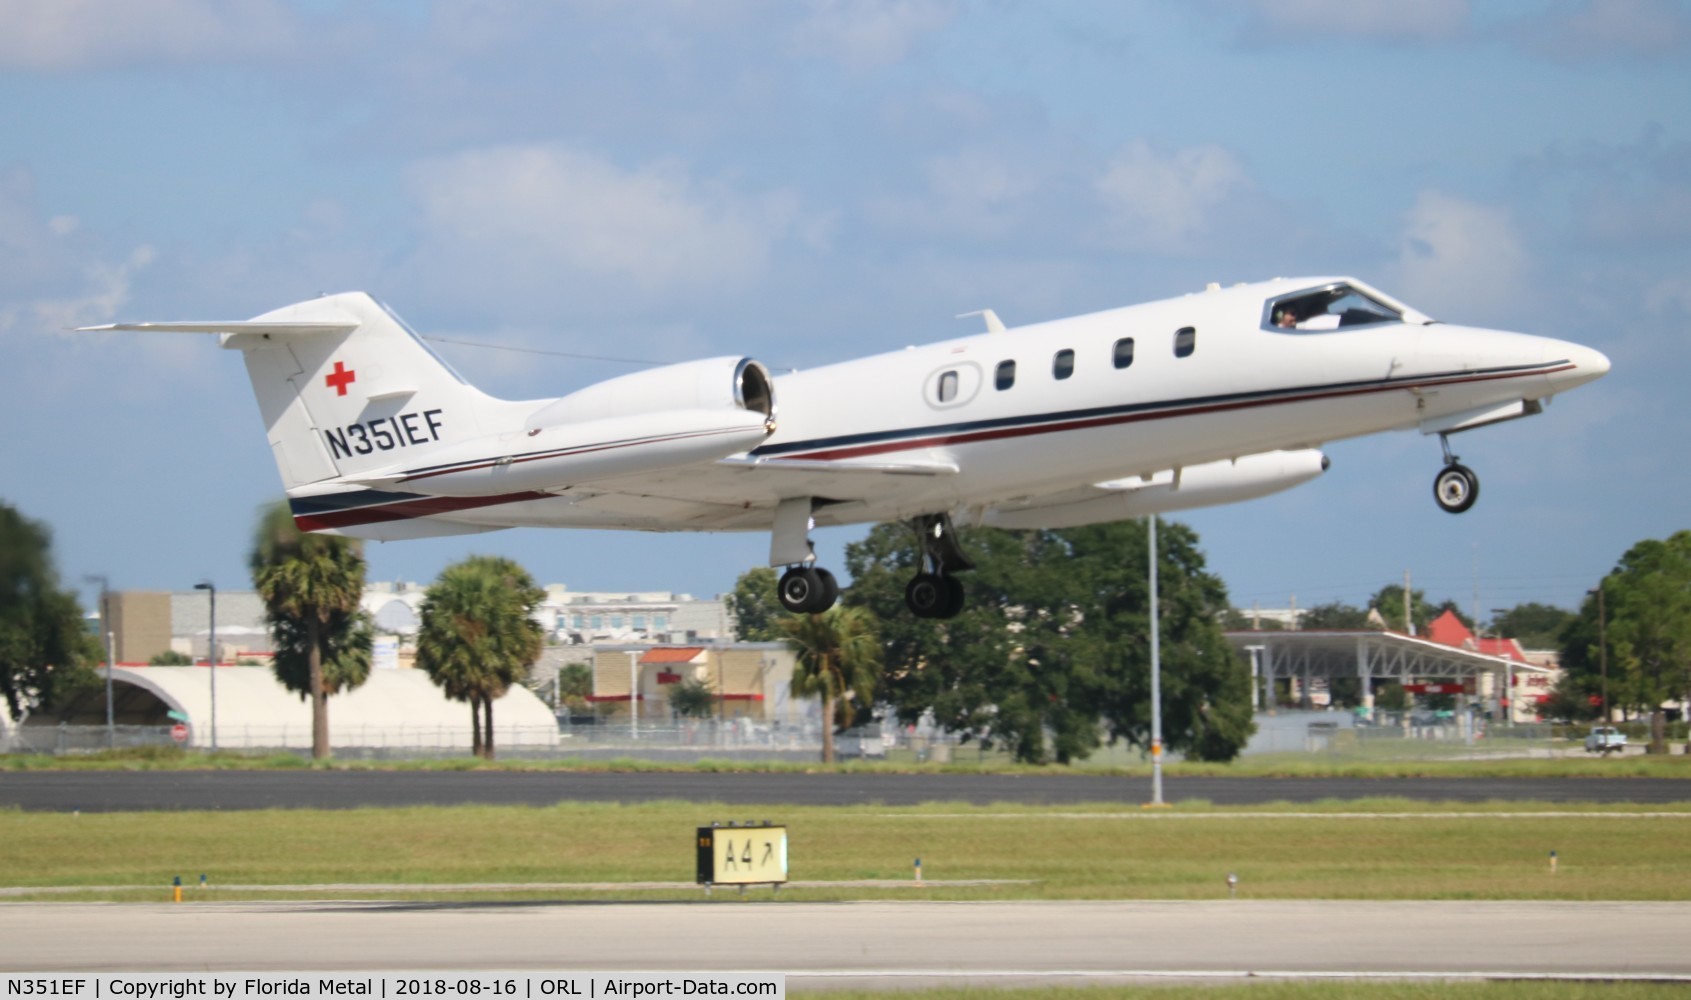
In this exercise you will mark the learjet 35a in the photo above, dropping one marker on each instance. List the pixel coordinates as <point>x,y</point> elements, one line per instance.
<point>1210,398</point>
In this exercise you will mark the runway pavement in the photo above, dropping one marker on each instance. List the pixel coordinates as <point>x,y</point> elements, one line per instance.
<point>874,943</point>
<point>120,791</point>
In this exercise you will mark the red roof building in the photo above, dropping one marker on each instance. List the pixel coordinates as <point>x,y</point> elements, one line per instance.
<point>1449,630</point>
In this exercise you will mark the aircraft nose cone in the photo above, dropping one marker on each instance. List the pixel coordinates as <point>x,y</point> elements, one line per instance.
<point>1588,364</point>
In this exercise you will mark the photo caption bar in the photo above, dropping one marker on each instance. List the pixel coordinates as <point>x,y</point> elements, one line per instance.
<point>390,985</point>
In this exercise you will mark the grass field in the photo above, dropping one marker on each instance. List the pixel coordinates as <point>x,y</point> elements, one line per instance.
<point>1455,762</point>
<point>1383,849</point>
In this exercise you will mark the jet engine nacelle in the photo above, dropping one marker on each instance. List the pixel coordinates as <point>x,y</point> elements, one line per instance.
<point>659,419</point>
<point>1205,485</point>
<point>712,384</point>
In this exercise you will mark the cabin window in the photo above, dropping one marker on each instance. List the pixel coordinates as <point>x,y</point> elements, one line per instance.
<point>1062,366</point>
<point>1123,354</point>
<point>947,387</point>
<point>1185,341</point>
<point>1006,375</point>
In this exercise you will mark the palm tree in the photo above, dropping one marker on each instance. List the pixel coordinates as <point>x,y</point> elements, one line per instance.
<point>839,658</point>
<point>477,637</point>
<point>311,586</point>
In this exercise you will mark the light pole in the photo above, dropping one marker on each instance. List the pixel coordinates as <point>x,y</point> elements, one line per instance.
<point>211,656</point>
<point>1602,651</point>
<point>1156,678</point>
<point>1256,675</point>
<point>106,632</point>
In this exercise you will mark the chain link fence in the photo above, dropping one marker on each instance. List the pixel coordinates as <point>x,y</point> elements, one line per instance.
<point>1329,735</point>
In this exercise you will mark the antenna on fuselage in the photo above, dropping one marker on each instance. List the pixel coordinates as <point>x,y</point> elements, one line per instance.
<point>993,323</point>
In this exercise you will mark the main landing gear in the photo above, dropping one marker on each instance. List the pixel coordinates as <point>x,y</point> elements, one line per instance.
<point>808,590</point>
<point>1456,487</point>
<point>805,588</point>
<point>934,592</point>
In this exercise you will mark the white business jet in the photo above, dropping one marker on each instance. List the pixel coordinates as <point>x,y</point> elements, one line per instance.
<point>1210,398</point>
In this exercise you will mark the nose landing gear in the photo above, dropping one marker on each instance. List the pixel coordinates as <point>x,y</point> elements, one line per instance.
<point>1456,487</point>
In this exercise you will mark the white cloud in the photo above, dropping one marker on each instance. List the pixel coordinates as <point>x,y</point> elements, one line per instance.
<point>104,290</point>
<point>1461,258</point>
<point>52,275</point>
<point>62,35</point>
<point>867,34</point>
<point>1611,29</point>
<point>1389,20</point>
<point>533,217</point>
<point>1169,202</point>
<point>976,193</point>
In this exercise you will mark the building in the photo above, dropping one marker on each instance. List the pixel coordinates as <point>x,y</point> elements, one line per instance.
<point>587,618</point>
<point>751,680</point>
<point>1308,662</point>
<point>1527,687</point>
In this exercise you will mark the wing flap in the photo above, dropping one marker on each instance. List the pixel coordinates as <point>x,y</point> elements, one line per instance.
<point>842,468</point>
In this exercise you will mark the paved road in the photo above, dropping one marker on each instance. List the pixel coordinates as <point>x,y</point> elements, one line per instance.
<point>874,943</point>
<point>113,791</point>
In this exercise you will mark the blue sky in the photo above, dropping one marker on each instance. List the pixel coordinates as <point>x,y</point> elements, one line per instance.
<point>806,182</point>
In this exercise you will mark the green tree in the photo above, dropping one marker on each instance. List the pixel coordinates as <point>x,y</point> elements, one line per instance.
<point>170,658</point>
<point>1239,620</point>
<point>1052,652</point>
<point>1648,599</point>
<point>838,657</point>
<point>1335,615</point>
<point>477,636</point>
<point>575,686</point>
<point>1388,601</point>
<point>45,649</point>
<point>692,699</point>
<point>1206,686</point>
<point>756,606</point>
<point>1578,694</point>
<point>311,585</point>
<point>1392,698</point>
<point>1533,625</point>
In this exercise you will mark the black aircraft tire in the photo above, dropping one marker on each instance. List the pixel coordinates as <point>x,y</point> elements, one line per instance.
<point>800,586</point>
<point>829,592</point>
<point>954,597</point>
<point>1456,488</point>
<point>925,595</point>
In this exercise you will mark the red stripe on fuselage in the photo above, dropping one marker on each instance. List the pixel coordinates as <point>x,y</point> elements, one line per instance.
<point>1087,423</point>
<point>407,510</point>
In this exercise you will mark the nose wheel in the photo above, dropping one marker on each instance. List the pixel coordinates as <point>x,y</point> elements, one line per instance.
<point>1456,487</point>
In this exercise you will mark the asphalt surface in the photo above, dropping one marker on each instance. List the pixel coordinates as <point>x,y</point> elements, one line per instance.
<point>870,943</point>
<point>134,791</point>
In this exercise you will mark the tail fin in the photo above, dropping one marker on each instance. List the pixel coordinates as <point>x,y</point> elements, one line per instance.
<point>346,389</point>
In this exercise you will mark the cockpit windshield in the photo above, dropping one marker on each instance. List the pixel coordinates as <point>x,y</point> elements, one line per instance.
<point>1336,307</point>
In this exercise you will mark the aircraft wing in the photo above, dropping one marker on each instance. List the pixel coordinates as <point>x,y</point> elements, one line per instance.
<point>735,494</point>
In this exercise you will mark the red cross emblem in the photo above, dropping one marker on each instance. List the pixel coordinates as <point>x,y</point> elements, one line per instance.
<point>338,379</point>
